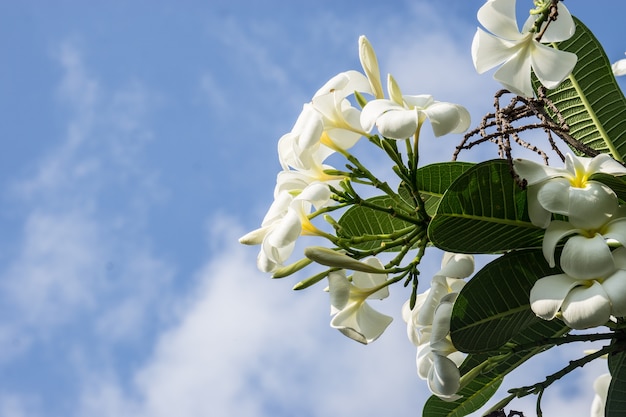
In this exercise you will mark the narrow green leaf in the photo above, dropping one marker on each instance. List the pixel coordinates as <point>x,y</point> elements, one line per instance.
<point>590,100</point>
<point>360,221</point>
<point>434,179</point>
<point>494,307</point>
<point>616,400</point>
<point>484,211</point>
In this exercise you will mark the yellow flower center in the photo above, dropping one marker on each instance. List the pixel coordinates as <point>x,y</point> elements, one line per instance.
<point>308,229</point>
<point>580,179</point>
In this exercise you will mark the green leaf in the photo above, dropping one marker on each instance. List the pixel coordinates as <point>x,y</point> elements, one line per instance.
<point>481,388</point>
<point>494,306</point>
<point>360,221</point>
<point>590,99</point>
<point>616,400</point>
<point>484,211</point>
<point>434,179</point>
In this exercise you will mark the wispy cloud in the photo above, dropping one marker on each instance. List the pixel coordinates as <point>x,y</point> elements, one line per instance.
<point>247,345</point>
<point>83,270</point>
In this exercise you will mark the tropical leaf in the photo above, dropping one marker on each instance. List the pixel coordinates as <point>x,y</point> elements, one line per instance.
<point>434,179</point>
<point>484,211</point>
<point>481,388</point>
<point>361,221</point>
<point>590,100</point>
<point>616,400</point>
<point>494,307</point>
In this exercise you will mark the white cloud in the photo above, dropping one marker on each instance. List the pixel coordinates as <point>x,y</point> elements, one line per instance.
<point>68,242</point>
<point>247,345</point>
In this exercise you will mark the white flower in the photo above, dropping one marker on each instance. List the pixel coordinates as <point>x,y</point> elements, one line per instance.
<point>586,254</point>
<point>448,279</point>
<point>619,67</point>
<point>401,116</point>
<point>352,314</point>
<point>569,191</point>
<point>329,122</point>
<point>438,361</point>
<point>285,221</point>
<point>582,303</point>
<point>601,387</point>
<point>519,52</point>
<point>428,326</point>
<point>296,178</point>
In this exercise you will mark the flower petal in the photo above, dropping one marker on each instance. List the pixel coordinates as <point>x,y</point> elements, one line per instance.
<point>619,67</point>
<point>553,195</point>
<point>514,74</point>
<point>539,216</point>
<point>556,231</point>
<point>535,173</point>
<point>615,287</point>
<point>498,17</point>
<point>374,109</point>
<point>560,29</point>
<point>601,387</point>
<point>548,294</point>
<point>586,307</point>
<point>339,290</point>
<point>398,124</point>
<point>361,322</point>
<point>551,65</point>
<point>456,265</point>
<point>444,378</point>
<point>592,206</point>
<point>438,288</point>
<point>447,118</point>
<point>369,280</point>
<point>587,258</point>
<point>604,163</point>
<point>489,51</point>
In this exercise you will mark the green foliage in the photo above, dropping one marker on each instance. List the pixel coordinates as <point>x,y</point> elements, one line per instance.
<point>503,311</point>
<point>616,400</point>
<point>590,100</point>
<point>484,211</point>
<point>364,221</point>
<point>433,180</point>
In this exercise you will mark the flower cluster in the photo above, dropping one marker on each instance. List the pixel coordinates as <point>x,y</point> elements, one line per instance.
<point>428,327</point>
<point>592,286</point>
<point>465,208</point>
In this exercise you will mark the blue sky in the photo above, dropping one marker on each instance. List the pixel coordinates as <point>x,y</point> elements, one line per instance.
<point>139,142</point>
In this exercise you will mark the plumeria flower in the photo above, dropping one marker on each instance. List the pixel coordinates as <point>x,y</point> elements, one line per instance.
<point>401,116</point>
<point>329,120</point>
<point>353,316</point>
<point>286,220</point>
<point>582,303</point>
<point>619,67</point>
<point>454,267</point>
<point>428,326</point>
<point>569,191</point>
<point>519,52</point>
<point>586,254</point>
<point>601,388</point>
<point>295,179</point>
<point>438,361</point>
